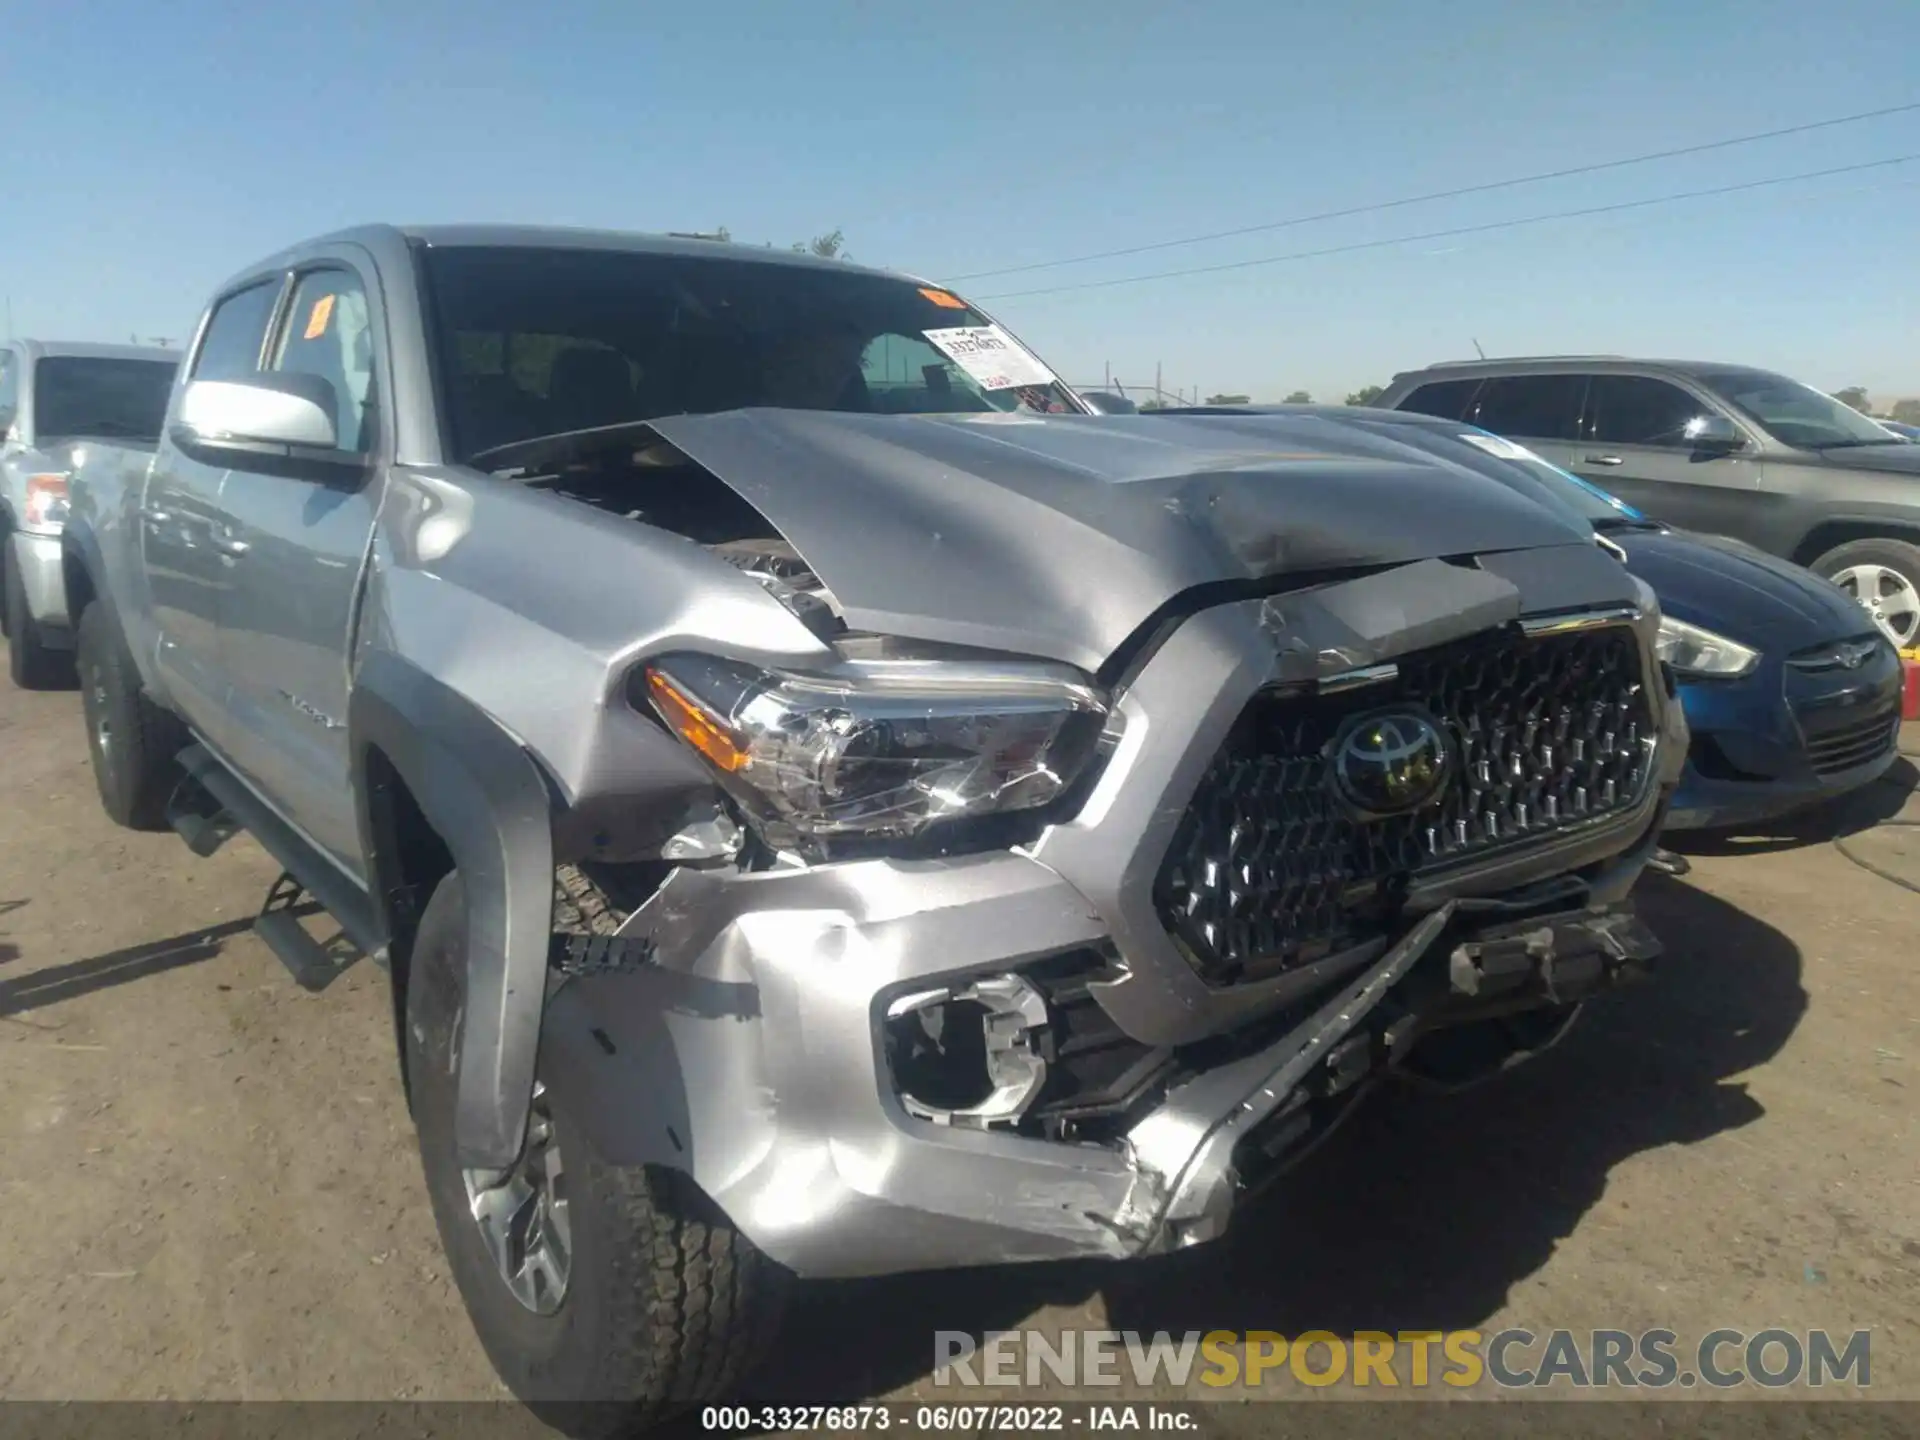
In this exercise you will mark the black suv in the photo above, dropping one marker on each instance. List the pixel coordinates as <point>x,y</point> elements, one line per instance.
<point>1722,448</point>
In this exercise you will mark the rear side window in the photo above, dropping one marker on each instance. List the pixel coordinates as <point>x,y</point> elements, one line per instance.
<point>1639,410</point>
<point>1533,407</point>
<point>1443,399</point>
<point>231,349</point>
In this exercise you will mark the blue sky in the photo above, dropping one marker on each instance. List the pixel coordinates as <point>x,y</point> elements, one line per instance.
<point>152,150</point>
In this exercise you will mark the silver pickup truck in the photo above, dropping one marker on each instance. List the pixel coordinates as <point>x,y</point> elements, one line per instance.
<point>864,810</point>
<point>55,398</point>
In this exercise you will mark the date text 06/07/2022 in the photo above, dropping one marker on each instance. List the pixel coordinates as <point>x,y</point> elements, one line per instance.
<point>913,1418</point>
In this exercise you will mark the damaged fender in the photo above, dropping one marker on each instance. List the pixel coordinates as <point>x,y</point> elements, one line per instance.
<point>487,799</point>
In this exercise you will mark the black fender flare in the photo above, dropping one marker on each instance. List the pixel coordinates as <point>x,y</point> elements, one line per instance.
<point>487,798</point>
<point>80,546</point>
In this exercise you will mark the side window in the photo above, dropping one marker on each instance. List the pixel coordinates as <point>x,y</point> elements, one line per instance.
<point>329,333</point>
<point>9,390</point>
<point>1638,410</point>
<point>1531,407</point>
<point>1445,399</point>
<point>231,349</point>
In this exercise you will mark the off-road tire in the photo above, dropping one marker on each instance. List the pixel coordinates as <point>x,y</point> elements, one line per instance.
<point>137,768</point>
<point>30,664</point>
<point>1898,555</point>
<point>667,1305</point>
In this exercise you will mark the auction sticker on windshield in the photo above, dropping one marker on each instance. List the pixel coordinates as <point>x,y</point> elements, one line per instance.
<point>994,359</point>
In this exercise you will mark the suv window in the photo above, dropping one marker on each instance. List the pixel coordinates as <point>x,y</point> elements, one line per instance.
<point>1638,410</point>
<point>1534,407</point>
<point>329,333</point>
<point>231,349</point>
<point>9,389</point>
<point>1444,399</point>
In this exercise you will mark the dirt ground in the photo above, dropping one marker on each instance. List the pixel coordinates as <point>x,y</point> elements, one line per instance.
<point>213,1192</point>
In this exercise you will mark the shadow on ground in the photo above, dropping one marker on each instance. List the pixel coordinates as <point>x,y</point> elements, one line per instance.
<point>83,977</point>
<point>1422,1213</point>
<point>1865,808</point>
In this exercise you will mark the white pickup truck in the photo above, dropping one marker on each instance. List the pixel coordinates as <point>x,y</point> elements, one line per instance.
<point>55,398</point>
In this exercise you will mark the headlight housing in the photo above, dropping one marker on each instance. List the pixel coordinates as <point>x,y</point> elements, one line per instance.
<point>1692,651</point>
<point>879,748</point>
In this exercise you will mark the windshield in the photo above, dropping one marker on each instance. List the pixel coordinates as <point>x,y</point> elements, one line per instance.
<point>537,342</point>
<point>91,395</point>
<point>1589,502</point>
<point>1796,414</point>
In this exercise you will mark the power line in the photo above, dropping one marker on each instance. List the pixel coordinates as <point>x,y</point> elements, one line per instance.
<point>1481,189</point>
<point>1453,231</point>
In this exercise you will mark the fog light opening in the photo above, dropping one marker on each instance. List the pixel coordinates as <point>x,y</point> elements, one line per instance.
<point>973,1054</point>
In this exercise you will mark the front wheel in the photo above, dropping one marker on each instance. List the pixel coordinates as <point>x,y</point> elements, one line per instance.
<point>586,1282</point>
<point>1884,576</point>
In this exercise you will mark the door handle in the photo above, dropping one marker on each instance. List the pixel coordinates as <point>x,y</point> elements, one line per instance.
<point>1605,460</point>
<point>154,515</point>
<point>227,544</point>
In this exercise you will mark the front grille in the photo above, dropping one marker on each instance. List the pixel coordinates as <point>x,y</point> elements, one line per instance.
<point>1269,870</point>
<point>1855,744</point>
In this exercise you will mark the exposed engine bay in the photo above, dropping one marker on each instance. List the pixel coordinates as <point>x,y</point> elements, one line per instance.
<point>654,483</point>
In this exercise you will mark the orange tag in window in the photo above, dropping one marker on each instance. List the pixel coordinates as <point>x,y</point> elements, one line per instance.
<point>318,317</point>
<point>943,299</point>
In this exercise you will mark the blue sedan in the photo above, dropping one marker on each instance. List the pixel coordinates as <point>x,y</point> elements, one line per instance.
<point>1792,694</point>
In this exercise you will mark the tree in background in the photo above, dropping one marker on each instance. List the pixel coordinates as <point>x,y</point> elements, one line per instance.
<point>1907,412</point>
<point>1153,405</point>
<point>1229,399</point>
<point>1854,395</point>
<point>1366,394</point>
<point>1299,397</point>
<point>830,246</point>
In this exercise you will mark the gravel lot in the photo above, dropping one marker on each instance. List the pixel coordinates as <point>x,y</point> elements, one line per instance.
<point>213,1193</point>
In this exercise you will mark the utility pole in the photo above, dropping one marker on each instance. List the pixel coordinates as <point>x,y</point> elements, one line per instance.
<point>9,317</point>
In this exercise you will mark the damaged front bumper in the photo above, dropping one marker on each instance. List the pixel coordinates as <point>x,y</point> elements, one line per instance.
<point>747,1037</point>
<point>743,1045</point>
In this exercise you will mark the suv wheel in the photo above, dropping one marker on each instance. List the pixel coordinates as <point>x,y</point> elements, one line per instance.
<point>1884,576</point>
<point>586,1281</point>
<point>132,742</point>
<point>30,663</point>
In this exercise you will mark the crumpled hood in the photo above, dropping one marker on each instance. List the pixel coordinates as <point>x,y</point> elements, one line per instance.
<point>1059,536</point>
<point>1741,592</point>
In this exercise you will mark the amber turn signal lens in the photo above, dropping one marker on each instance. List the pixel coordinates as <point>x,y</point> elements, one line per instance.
<point>692,723</point>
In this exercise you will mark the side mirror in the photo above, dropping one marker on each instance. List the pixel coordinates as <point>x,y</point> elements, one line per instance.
<point>276,409</point>
<point>1102,402</point>
<point>1714,432</point>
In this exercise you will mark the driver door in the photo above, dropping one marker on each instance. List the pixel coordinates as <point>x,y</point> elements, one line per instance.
<point>1632,441</point>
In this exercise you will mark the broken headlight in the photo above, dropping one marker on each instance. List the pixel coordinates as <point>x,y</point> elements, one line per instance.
<point>880,748</point>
